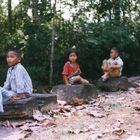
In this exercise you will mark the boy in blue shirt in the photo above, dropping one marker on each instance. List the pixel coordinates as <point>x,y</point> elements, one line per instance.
<point>18,82</point>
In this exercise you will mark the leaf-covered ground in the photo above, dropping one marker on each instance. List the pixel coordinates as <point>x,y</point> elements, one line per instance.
<point>114,116</point>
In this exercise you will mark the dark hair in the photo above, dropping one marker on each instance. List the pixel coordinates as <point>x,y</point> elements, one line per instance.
<point>71,50</point>
<point>115,49</point>
<point>17,51</point>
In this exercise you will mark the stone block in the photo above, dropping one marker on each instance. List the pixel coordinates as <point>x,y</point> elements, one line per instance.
<point>114,84</point>
<point>19,109</point>
<point>45,101</point>
<point>68,93</point>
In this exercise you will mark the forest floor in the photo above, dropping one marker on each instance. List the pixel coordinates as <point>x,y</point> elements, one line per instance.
<point>114,116</point>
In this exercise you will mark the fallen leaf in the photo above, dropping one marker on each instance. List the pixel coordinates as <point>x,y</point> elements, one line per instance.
<point>138,90</point>
<point>48,123</point>
<point>80,107</point>
<point>137,108</point>
<point>96,114</point>
<point>78,131</point>
<point>37,115</point>
<point>119,132</point>
<point>77,101</point>
<point>25,127</point>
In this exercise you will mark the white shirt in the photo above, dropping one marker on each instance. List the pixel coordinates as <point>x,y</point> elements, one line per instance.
<point>118,60</point>
<point>18,80</point>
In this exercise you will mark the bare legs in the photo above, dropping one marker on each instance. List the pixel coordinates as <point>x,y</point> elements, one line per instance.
<point>1,103</point>
<point>109,71</point>
<point>78,79</point>
<point>105,68</point>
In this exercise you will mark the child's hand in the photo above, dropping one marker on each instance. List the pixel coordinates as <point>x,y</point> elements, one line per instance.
<point>110,67</point>
<point>13,98</point>
<point>17,97</point>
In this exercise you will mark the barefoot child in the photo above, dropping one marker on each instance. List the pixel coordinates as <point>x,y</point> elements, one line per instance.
<point>71,70</point>
<point>18,82</point>
<point>113,66</point>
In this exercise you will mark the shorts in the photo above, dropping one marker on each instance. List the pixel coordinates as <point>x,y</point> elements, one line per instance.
<point>72,80</point>
<point>115,73</point>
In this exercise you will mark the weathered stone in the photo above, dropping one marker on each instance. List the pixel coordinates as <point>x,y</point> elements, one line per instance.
<point>114,84</point>
<point>68,93</point>
<point>45,101</point>
<point>134,81</point>
<point>19,109</point>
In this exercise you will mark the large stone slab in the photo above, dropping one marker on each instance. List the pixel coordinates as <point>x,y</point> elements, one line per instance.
<point>45,101</point>
<point>19,109</point>
<point>114,84</point>
<point>134,81</point>
<point>68,93</point>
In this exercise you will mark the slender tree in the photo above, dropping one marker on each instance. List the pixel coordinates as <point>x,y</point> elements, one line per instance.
<point>52,43</point>
<point>10,16</point>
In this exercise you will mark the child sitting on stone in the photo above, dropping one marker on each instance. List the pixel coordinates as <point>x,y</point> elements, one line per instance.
<point>71,70</point>
<point>113,66</point>
<point>18,82</point>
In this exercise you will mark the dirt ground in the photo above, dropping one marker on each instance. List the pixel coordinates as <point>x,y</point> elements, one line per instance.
<point>114,116</point>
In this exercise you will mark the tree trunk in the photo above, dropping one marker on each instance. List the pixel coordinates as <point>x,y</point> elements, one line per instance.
<point>52,45</point>
<point>9,16</point>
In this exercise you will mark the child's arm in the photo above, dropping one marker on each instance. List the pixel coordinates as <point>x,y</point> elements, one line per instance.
<point>66,81</point>
<point>65,74</point>
<point>20,80</point>
<point>115,66</point>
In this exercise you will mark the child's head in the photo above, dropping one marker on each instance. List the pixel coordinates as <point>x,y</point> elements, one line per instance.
<point>114,53</point>
<point>72,55</point>
<point>13,57</point>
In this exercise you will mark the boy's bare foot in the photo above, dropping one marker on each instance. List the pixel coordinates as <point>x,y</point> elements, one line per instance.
<point>13,98</point>
<point>17,97</point>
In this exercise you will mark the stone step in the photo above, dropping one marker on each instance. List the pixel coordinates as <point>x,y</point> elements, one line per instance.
<point>19,109</point>
<point>45,101</point>
<point>24,108</point>
<point>134,81</point>
<point>114,84</point>
<point>68,93</point>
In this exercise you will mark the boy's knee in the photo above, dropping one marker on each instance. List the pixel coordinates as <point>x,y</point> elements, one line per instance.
<point>104,61</point>
<point>84,81</point>
<point>78,78</point>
